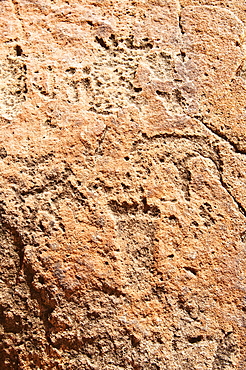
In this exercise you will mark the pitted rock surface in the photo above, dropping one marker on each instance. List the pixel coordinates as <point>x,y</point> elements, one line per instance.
<point>122,188</point>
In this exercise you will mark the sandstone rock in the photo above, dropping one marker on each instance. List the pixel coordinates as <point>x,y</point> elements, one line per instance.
<point>123,172</point>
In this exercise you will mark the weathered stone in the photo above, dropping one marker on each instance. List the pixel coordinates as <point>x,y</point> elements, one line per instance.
<point>122,197</point>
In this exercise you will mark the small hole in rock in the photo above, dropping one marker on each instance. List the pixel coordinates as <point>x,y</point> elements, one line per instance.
<point>195,339</point>
<point>191,269</point>
<point>172,218</point>
<point>18,50</point>
<point>41,279</point>
<point>41,227</point>
<point>194,223</point>
<point>62,227</point>
<point>162,93</point>
<point>101,42</point>
<point>71,70</point>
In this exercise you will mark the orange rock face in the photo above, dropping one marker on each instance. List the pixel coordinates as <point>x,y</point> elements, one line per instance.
<point>122,189</point>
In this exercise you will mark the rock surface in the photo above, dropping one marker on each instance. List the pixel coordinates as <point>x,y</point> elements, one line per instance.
<point>122,189</point>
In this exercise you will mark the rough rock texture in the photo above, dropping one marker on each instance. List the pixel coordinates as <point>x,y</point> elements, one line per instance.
<point>122,189</point>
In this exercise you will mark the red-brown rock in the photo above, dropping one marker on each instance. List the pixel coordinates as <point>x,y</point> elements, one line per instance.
<point>122,194</point>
